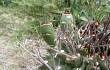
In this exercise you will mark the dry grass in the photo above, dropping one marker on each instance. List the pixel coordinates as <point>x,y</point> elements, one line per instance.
<point>15,55</point>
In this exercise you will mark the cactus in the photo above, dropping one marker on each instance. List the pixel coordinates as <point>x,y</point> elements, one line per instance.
<point>48,33</point>
<point>67,22</point>
<point>77,51</point>
<point>84,65</point>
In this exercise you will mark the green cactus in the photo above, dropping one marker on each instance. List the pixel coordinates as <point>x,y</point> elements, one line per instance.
<point>102,66</point>
<point>82,51</point>
<point>74,63</point>
<point>72,41</point>
<point>67,22</point>
<point>43,67</point>
<point>88,67</point>
<point>62,59</point>
<point>84,65</point>
<point>48,33</point>
<point>67,48</point>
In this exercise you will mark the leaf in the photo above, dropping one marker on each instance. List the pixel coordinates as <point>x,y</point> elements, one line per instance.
<point>84,19</point>
<point>107,8</point>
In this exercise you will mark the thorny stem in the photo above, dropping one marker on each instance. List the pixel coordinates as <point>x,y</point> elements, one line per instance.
<point>68,56</point>
<point>58,65</point>
<point>66,38</point>
<point>41,60</point>
<point>68,48</point>
<point>61,53</point>
<point>52,57</point>
<point>69,40</point>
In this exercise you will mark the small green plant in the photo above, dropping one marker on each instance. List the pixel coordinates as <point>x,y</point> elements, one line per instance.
<point>6,3</point>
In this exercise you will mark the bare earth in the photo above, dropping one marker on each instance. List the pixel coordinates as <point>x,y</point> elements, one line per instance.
<point>7,61</point>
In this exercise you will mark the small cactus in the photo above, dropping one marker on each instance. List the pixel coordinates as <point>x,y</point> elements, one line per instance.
<point>48,33</point>
<point>67,23</point>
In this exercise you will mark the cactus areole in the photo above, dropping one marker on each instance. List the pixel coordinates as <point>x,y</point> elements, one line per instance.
<point>48,33</point>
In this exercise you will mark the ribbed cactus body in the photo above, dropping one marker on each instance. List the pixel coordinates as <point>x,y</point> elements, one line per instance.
<point>89,67</point>
<point>67,22</point>
<point>48,33</point>
<point>102,66</point>
<point>84,65</point>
